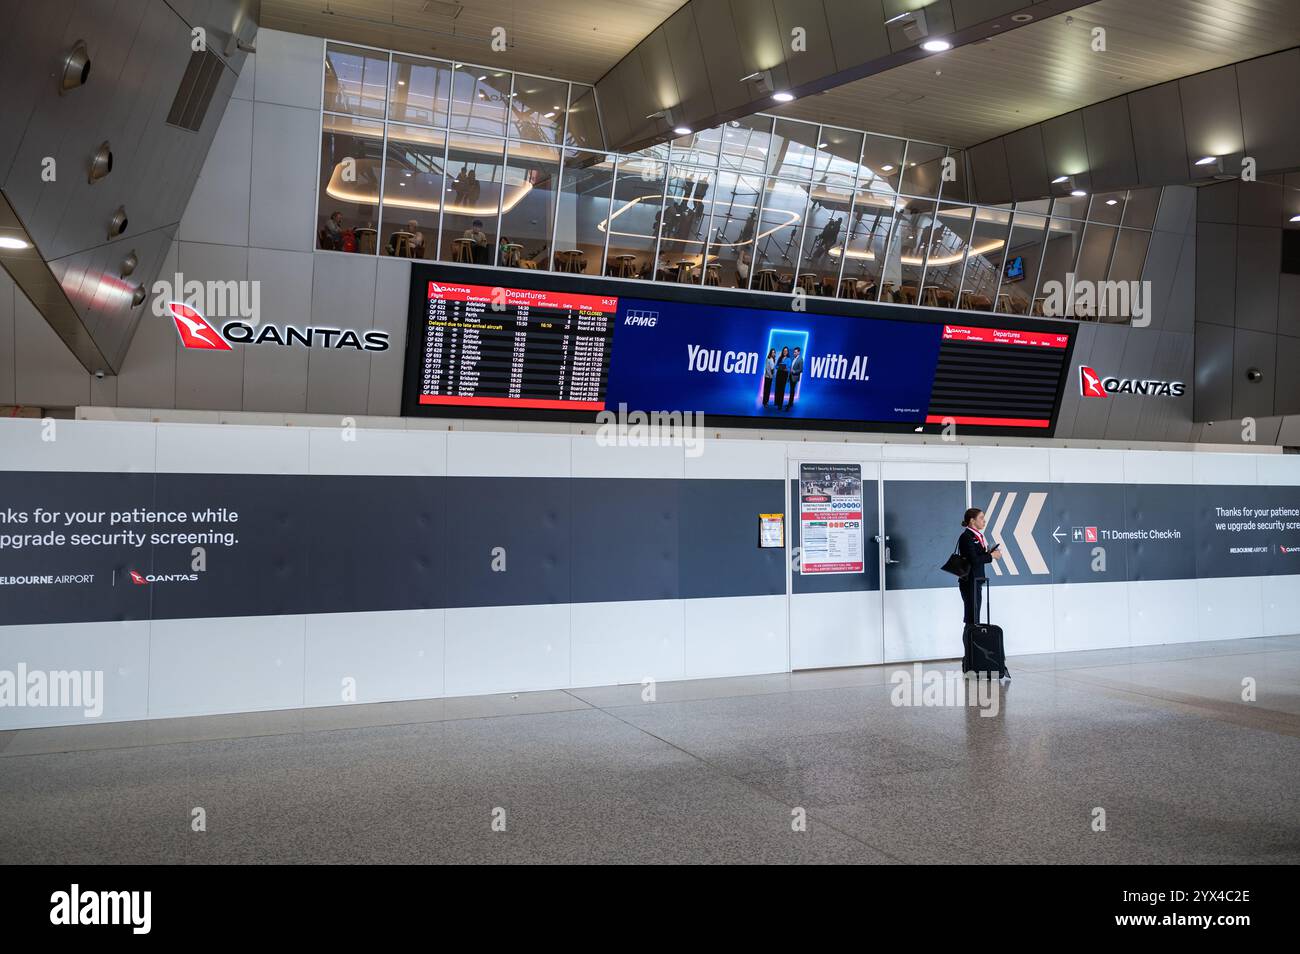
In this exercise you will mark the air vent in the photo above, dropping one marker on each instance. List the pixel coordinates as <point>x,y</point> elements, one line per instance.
<point>197,86</point>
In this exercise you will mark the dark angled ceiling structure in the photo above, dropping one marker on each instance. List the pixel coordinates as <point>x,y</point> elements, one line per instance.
<point>716,60</point>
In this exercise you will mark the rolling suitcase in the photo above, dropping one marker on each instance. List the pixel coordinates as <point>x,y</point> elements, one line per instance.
<point>985,653</point>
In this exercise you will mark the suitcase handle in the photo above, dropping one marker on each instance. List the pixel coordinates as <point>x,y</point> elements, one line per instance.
<point>988,611</point>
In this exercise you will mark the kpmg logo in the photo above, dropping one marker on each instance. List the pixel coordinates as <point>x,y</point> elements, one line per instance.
<point>646,319</point>
<point>1093,385</point>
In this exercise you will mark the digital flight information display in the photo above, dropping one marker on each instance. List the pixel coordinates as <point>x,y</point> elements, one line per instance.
<point>557,347</point>
<point>489,346</point>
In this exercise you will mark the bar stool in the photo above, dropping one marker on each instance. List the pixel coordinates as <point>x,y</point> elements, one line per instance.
<point>889,292</point>
<point>571,260</point>
<point>765,279</point>
<point>367,240</point>
<point>907,294</point>
<point>622,266</point>
<point>1004,302</point>
<point>808,282</point>
<point>1037,309</point>
<point>713,274</point>
<point>404,245</point>
<point>686,272</point>
<point>510,254</point>
<point>462,250</point>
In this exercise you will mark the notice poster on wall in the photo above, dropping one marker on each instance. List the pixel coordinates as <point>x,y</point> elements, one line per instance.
<point>830,518</point>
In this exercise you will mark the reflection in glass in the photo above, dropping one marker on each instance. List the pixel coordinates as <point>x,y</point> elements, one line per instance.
<point>1070,207</point>
<point>537,108</point>
<point>478,99</point>
<point>583,208</point>
<point>824,226</point>
<point>1130,255</point>
<point>473,198</point>
<point>414,187</point>
<point>924,169</point>
<point>584,123</point>
<point>1140,212</point>
<point>949,242</point>
<point>882,164</point>
<point>633,225</point>
<point>735,223</point>
<point>988,249</point>
<point>1060,253</point>
<point>525,240</point>
<point>685,217</point>
<point>794,149</point>
<point>1020,269</point>
<point>1094,252</point>
<point>355,80</point>
<point>1107,207</point>
<point>746,143</point>
<point>698,149</point>
<point>418,90</point>
<point>957,188</point>
<point>350,170</point>
<point>777,238</point>
<point>905,260</point>
<point>864,249</point>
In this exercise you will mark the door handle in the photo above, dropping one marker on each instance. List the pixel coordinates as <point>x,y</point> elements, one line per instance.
<point>889,561</point>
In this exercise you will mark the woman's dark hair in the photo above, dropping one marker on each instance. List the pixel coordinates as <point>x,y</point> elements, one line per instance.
<point>784,352</point>
<point>772,353</point>
<point>970,515</point>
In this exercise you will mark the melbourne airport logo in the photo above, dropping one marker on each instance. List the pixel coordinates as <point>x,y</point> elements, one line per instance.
<point>239,303</point>
<point>1094,385</point>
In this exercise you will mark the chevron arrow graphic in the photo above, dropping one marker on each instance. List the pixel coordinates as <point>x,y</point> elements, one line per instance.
<point>997,533</point>
<point>988,515</point>
<point>1024,533</point>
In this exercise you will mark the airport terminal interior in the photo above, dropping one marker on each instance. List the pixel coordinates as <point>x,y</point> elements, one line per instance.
<point>673,432</point>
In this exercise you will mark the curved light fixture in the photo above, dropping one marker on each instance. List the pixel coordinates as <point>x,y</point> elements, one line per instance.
<point>936,46</point>
<point>362,195</point>
<point>793,218</point>
<point>7,241</point>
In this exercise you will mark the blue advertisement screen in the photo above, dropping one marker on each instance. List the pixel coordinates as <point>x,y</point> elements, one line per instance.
<point>749,362</point>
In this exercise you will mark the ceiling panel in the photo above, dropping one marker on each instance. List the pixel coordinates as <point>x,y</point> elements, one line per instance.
<point>561,38</point>
<point>1041,70</point>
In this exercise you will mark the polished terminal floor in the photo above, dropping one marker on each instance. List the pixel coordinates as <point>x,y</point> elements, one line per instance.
<point>712,771</point>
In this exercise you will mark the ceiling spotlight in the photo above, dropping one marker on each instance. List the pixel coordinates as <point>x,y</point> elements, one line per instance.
<point>8,242</point>
<point>1059,179</point>
<point>682,130</point>
<point>549,115</point>
<point>1208,160</point>
<point>401,82</point>
<point>821,145</point>
<point>1078,193</point>
<point>887,168</point>
<point>783,97</point>
<point>1112,201</point>
<point>1295,218</point>
<point>936,46</point>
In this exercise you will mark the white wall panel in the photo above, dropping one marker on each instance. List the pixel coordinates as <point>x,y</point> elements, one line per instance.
<point>218,208</point>
<point>627,642</point>
<point>241,664</point>
<point>244,88</point>
<point>75,445</point>
<point>1074,465</point>
<point>923,624</point>
<point>506,649</point>
<point>291,68</point>
<point>1281,599</point>
<point>735,636</point>
<point>592,459</point>
<point>397,655</point>
<point>286,147</point>
<point>1229,608</point>
<point>1279,470</point>
<point>343,296</point>
<point>387,368</point>
<point>45,372</point>
<point>275,378</point>
<point>752,460</point>
<point>1090,615</point>
<point>1159,467</point>
<point>230,449</point>
<point>382,453</point>
<point>1025,614</point>
<point>1162,611</point>
<point>1225,468</point>
<point>118,650</point>
<point>210,380</point>
<point>953,452</point>
<point>507,455</point>
<point>1010,463</point>
<point>835,629</point>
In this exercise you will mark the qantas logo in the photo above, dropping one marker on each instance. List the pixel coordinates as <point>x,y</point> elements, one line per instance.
<point>1093,385</point>
<point>139,579</point>
<point>194,330</point>
<point>1090,383</point>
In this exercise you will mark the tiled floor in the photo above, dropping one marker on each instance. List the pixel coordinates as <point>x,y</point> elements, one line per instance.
<point>1157,737</point>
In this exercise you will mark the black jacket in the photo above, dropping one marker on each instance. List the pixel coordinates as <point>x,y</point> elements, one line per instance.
<point>968,545</point>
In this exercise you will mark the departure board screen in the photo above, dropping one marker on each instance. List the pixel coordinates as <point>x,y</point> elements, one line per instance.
<point>489,346</point>
<point>517,343</point>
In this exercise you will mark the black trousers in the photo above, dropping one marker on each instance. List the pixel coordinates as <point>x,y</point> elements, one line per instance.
<point>971,598</point>
<point>781,377</point>
<point>767,390</point>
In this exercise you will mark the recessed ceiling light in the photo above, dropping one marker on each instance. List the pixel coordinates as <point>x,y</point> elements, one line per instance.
<point>886,168</point>
<point>548,115</point>
<point>821,145</point>
<point>1294,218</point>
<point>1078,193</point>
<point>682,130</point>
<point>1059,179</point>
<point>783,97</point>
<point>1207,160</point>
<point>1112,201</point>
<point>936,46</point>
<point>7,242</point>
<point>401,82</point>
<point>1022,17</point>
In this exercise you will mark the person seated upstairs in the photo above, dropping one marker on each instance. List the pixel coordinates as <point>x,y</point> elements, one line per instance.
<point>475,232</point>
<point>332,234</point>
